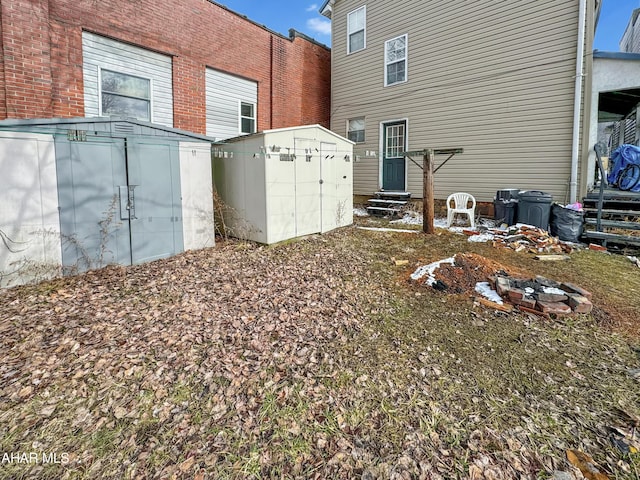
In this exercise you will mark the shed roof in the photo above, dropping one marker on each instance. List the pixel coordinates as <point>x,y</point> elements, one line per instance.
<point>285,129</point>
<point>50,125</point>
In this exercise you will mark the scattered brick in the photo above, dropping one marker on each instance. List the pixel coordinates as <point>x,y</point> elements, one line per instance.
<point>580,304</point>
<point>551,297</point>
<point>554,307</point>
<point>515,294</point>
<point>570,287</point>
<point>597,248</point>
<point>502,285</point>
<point>527,302</point>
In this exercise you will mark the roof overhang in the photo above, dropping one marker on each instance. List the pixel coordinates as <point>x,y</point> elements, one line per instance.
<point>614,105</point>
<point>327,8</point>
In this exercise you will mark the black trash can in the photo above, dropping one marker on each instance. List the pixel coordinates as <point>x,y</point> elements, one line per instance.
<point>534,208</point>
<point>505,211</point>
<point>566,224</point>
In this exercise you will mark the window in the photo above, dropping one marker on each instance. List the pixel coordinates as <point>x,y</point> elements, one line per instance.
<point>355,130</point>
<point>125,95</point>
<point>356,21</point>
<point>395,60</point>
<point>247,117</point>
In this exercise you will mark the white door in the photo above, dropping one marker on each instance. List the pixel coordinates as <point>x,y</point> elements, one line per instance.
<point>307,165</point>
<point>329,186</point>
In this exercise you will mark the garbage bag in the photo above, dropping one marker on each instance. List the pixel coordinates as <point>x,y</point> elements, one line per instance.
<point>566,223</point>
<point>625,168</point>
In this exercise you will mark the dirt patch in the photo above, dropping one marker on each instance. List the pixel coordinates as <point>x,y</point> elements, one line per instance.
<point>468,270</point>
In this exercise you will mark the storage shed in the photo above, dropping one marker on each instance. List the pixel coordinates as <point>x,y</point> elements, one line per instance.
<point>83,193</point>
<point>285,183</point>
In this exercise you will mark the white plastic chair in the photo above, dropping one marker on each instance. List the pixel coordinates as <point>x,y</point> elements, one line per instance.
<point>461,205</point>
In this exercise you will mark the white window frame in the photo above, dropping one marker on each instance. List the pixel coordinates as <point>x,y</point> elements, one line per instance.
<point>150,99</point>
<point>406,60</point>
<point>241,117</point>
<point>364,29</point>
<point>363,129</point>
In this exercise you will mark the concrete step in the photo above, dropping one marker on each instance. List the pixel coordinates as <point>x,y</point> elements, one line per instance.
<point>397,195</point>
<point>384,211</point>
<point>382,201</point>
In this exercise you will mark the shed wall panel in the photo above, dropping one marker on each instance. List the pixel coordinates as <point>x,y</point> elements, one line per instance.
<point>29,219</point>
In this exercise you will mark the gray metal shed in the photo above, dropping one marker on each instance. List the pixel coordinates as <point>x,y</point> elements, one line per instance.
<point>125,191</point>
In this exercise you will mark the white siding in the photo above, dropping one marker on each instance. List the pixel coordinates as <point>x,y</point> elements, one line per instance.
<point>100,52</point>
<point>224,94</point>
<point>494,78</point>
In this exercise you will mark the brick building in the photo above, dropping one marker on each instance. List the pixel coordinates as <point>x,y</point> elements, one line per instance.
<point>189,64</point>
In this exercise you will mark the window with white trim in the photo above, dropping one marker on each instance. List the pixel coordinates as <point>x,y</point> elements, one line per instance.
<point>355,130</point>
<point>247,117</point>
<point>125,95</point>
<point>356,28</point>
<point>395,60</point>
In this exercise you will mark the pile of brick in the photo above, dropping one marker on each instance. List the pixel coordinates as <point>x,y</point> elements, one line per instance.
<point>526,238</point>
<point>541,295</point>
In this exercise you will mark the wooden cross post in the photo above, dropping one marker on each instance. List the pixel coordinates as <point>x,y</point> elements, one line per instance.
<point>427,192</point>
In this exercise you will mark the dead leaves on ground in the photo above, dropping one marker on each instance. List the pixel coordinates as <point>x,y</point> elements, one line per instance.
<point>232,363</point>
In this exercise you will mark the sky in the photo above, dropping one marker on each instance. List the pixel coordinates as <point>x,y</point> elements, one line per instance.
<point>302,15</point>
<point>281,15</point>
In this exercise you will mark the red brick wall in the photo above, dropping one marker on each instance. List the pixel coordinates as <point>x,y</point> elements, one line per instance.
<point>42,43</point>
<point>27,59</point>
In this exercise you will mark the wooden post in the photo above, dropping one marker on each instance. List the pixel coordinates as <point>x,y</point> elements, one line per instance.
<point>427,192</point>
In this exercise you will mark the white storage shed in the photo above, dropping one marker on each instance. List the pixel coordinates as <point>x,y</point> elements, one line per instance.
<point>285,183</point>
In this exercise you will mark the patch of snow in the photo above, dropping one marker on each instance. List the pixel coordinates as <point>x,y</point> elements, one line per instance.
<point>430,269</point>
<point>374,229</point>
<point>484,289</point>
<point>483,237</point>
<point>360,212</point>
<point>529,290</point>
<point>409,218</point>
<point>553,290</point>
<point>440,223</point>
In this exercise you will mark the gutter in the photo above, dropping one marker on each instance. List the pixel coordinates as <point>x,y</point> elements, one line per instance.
<point>575,147</point>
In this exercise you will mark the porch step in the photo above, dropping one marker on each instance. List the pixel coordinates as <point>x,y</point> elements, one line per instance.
<point>614,224</point>
<point>388,203</point>
<point>613,238</point>
<point>390,194</point>
<point>382,201</point>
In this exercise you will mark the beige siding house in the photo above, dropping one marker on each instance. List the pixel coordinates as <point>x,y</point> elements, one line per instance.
<point>497,78</point>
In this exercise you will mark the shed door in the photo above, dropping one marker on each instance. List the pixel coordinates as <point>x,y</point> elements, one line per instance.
<point>329,191</point>
<point>393,162</point>
<point>119,201</point>
<point>156,223</point>
<point>307,174</point>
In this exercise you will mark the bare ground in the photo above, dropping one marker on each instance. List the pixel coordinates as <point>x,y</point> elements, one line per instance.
<point>316,359</point>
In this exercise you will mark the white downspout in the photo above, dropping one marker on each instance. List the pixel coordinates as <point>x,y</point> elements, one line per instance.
<point>575,150</point>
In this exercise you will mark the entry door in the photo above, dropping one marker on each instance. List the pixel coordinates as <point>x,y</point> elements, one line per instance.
<point>393,162</point>
<point>154,179</point>
<point>329,187</point>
